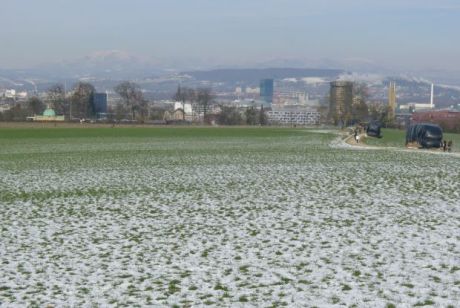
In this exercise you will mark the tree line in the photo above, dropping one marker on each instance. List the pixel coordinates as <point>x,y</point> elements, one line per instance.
<point>78,103</point>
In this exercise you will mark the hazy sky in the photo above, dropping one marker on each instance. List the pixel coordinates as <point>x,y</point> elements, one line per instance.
<point>397,33</point>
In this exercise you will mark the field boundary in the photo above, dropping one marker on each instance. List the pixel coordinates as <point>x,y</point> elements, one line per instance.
<point>344,140</point>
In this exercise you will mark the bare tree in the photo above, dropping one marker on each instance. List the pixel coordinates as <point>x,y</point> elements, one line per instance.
<point>55,97</point>
<point>204,98</point>
<point>35,105</point>
<point>229,116</point>
<point>360,111</point>
<point>17,113</point>
<point>143,109</point>
<point>251,116</point>
<point>359,108</point>
<point>361,91</point>
<point>131,95</point>
<point>82,104</point>
<point>119,112</point>
<point>263,119</point>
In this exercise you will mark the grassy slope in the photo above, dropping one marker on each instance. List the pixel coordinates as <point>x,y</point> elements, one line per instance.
<point>396,138</point>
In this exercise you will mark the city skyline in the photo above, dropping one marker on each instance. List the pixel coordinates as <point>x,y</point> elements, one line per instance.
<point>396,34</point>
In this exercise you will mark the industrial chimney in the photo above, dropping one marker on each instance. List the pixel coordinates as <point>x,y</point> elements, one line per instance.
<point>432,95</point>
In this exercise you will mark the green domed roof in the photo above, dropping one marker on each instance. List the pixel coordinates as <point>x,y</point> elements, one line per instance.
<point>49,113</point>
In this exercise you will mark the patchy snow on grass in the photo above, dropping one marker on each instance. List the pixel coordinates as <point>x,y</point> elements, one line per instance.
<point>228,222</point>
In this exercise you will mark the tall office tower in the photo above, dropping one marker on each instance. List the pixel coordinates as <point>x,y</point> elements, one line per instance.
<point>266,90</point>
<point>341,99</point>
<point>100,103</point>
<point>392,100</point>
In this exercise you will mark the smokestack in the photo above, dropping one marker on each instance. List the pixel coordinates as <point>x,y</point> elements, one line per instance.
<point>432,94</point>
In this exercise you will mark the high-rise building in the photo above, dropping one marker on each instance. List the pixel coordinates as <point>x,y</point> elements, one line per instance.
<point>266,90</point>
<point>392,100</point>
<point>100,103</point>
<point>341,100</point>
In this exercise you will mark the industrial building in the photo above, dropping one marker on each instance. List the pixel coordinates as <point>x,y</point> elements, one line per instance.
<point>448,119</point>
<point>295,98</point>
<point>341,100</point>
<point>411,107</point>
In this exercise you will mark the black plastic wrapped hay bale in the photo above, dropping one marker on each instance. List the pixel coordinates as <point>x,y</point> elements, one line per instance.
<point>426,135</point>
<point>373,129</point>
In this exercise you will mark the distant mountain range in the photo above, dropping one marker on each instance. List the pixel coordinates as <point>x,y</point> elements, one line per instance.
<point>253,76</point>
<point>107,68</point>
<point>113,64</point>
<point>121,65</point>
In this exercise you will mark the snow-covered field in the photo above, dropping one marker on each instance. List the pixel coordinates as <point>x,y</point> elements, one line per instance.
<point>249,221</point>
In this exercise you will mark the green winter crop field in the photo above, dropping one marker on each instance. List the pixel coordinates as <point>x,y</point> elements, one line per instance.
<point>139,132</point>
<point>266,217</point>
